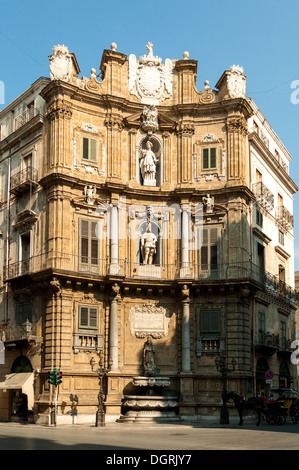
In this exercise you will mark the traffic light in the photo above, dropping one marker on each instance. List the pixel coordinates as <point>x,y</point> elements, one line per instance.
<point>52,378</point>
<point>58,377</point>
<point>55,377</point>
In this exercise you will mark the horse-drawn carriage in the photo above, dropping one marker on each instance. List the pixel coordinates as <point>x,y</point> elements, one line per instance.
<point>276,410</point>
<point>285,406</point>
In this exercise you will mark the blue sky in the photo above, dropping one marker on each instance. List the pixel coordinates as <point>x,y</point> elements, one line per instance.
<point>262,36</point>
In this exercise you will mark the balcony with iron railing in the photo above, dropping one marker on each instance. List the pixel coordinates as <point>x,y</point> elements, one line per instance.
<point>72,265</point>
<point>25,117</point>
<point>266,343</point>
<point>284,217</point>
<point>263,195</point>
<point>24,180</point>
<point>26,332</point>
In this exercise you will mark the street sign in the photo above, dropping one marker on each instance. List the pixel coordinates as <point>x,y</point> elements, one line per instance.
<point>269,374</point>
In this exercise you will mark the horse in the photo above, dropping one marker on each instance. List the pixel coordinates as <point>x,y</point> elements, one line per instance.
<point>252,403</point>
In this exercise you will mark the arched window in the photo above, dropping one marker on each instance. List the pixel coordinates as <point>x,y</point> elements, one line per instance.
<point>21,364</point>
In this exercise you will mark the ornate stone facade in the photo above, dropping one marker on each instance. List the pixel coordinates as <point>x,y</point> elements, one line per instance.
<point>139,152</point>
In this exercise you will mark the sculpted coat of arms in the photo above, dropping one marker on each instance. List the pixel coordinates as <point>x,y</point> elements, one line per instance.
<point>60,64</point>
<point>236,82</point>
<point>149,79</point>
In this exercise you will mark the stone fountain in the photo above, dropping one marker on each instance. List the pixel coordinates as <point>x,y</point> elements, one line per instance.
<point>149,400</point>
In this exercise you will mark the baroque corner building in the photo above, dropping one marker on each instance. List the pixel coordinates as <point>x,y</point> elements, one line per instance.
<point>140,215</point>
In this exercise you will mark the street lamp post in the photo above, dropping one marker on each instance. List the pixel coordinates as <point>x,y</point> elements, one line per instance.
<point>102,372</point>
<point>222,367</point>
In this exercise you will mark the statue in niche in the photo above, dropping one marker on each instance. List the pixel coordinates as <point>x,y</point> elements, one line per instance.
<point>89,192</point>
<point>209,203</point>
<point>149,363</point>
<point>148,245</point>
<point>148,162</point>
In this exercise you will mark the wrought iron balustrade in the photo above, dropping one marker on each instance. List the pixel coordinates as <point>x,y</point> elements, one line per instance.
<point>233,272</point>
<point>24,178</point>
<point>263,195</point>
<point>26,332</point>
<point>268,339</point>
<point>25,117</point>
<point>284,217</point>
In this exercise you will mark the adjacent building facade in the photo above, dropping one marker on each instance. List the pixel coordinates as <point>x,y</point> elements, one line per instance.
<point>138,210</point>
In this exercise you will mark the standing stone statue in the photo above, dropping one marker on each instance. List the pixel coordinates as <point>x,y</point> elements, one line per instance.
<point>149,363</point>
<point>148,162</point>
<point>148,245</point>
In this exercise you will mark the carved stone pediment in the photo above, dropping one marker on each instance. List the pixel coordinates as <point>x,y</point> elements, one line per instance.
<point>24,219</point>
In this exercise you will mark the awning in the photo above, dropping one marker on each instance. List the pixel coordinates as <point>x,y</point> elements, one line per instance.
<point>22,381</point>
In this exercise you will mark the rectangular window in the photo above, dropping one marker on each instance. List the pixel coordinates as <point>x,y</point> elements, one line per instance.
<point>280,237</point>
<point>90,149</point>
<point>262,322</point>
<point>259,218</point>
<point>88,244</point>
<point>209,158</point>
<point>23,313</point>
<point>88,317</point>
<point>283,334</point>
<point>209,323</point>
<point>209,251</point>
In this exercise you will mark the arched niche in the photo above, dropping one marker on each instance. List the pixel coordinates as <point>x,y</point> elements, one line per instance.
<point>157,148</point>
<point>156,229</point>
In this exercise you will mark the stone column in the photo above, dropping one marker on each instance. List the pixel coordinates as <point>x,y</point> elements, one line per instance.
<point>186,358</point>
<point>114,263</point>
<point>185,271</point>
<point>113,328</point>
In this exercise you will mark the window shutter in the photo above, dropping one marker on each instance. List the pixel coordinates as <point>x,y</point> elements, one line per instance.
<point>93,150</point>
<point>210,322</point>
<point>84,241</point>
<point>84,317</point>
<point>204,322</point>
<point>213,157</point>
<point>93,317</point>
<point>215,322</point>
<point>205,159</point>
<point>85,154</point>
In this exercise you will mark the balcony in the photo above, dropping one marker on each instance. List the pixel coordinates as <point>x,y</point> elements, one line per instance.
<point>86,341</point>
<point>209,345</point>
<point>25,333</point>
<point>24,180</point>
<point>284,218</point>
<point>267,343</point>
<point>263,196</point>
<point>25,117</point>
<point>72,265</point>
<point>285,349</point>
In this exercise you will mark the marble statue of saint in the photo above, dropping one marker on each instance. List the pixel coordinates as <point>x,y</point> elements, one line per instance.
<point>148,246</point>
<point>148,162</point>
<point>209,203</point>
<point>89,192</point>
